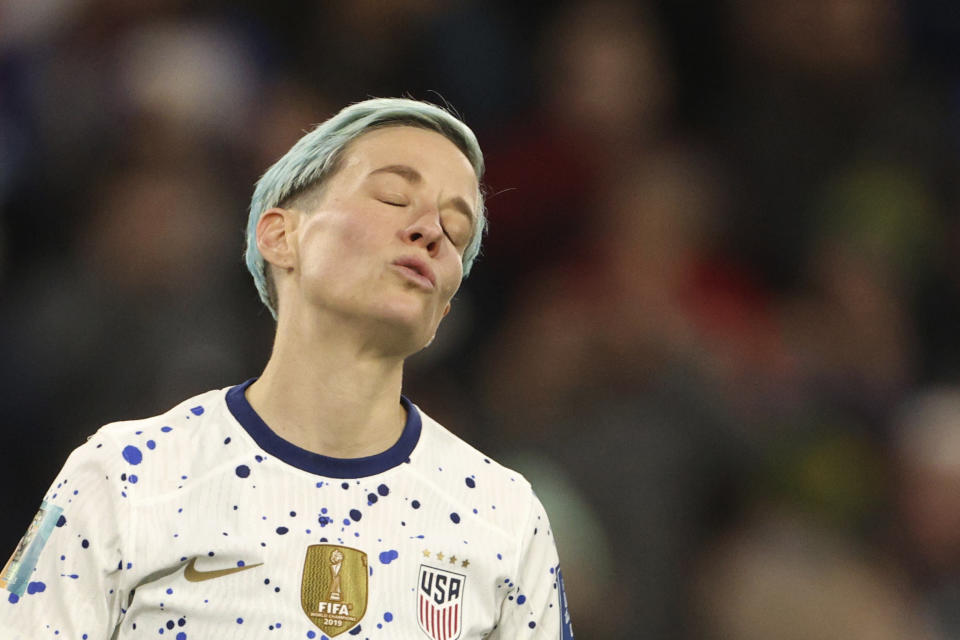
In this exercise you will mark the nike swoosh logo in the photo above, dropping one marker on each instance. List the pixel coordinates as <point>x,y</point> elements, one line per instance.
<point>192,574</point>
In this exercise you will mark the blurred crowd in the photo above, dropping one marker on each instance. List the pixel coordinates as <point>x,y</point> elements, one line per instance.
<point>713,323</point>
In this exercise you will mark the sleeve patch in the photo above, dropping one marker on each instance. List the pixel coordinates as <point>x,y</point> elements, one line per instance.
<point>16,573</point>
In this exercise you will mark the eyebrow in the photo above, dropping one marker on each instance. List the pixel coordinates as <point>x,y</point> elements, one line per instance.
<point>413,176</point>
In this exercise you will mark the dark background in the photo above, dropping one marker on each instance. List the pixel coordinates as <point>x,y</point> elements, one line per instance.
<point>714,321</point>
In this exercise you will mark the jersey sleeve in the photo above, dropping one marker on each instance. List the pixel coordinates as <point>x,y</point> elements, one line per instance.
<point>64,578</point>
<point>536,605</point>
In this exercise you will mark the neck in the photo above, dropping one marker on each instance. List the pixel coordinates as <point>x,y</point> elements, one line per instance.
<point>330,394</point>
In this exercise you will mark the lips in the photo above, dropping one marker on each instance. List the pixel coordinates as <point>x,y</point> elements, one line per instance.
<point>417,271</point>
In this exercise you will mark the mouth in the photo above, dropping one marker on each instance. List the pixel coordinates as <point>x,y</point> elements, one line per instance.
<point>416,271</point>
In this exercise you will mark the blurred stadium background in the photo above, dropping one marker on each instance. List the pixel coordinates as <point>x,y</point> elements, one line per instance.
<point>715,321</point>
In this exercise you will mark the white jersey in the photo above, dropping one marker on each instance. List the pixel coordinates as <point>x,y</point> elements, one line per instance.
<point>202,523</point>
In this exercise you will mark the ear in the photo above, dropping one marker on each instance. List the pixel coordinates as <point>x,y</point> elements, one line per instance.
<point>275,232</point>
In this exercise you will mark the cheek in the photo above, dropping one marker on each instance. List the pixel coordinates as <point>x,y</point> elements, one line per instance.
<point>332,245</point>
<point>318,256</point>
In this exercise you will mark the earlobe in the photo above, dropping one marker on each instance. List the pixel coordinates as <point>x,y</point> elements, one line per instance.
<point>274,237</point>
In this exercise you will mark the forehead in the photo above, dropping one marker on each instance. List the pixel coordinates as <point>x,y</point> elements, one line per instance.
<point>430,153</point>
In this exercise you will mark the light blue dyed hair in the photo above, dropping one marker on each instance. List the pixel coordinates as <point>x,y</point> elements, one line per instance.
<point>317,156</point>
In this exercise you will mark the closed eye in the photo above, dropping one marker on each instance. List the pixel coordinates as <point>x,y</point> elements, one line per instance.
<point>393,203</point>
<point>455,238</point>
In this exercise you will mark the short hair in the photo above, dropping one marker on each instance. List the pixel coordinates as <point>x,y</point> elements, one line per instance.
<point>318,154</point>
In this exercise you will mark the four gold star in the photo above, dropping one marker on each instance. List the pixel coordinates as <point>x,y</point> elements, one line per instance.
<point>452,559</point>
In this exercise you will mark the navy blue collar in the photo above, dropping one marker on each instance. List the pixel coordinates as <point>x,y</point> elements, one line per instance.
<point>314,462</point>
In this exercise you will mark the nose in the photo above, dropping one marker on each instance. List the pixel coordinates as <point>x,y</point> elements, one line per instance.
<point>425,231</point>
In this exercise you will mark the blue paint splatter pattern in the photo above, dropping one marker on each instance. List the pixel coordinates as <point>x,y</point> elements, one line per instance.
<point>211,516</point>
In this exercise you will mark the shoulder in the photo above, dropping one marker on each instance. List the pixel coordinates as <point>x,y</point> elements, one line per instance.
<point>481,486</point>
<point>165,452</point>
<point>440,445</point>
<point>193,408</point>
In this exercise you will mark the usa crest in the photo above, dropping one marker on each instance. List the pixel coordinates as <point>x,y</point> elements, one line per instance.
<point>440,602</point>
<point>333,592</point>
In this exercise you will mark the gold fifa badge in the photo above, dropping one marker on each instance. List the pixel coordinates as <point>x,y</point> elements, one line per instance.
<point>333,592</point>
